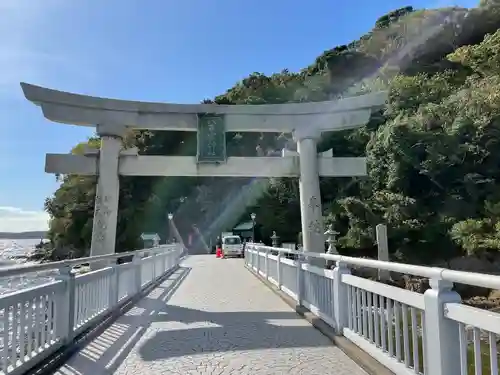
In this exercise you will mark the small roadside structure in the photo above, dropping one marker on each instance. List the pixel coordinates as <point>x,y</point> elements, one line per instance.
<point>244,230</point>
<point>150,240</point>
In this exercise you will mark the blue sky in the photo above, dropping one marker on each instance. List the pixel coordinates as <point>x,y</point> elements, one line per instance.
<point>156,50</point>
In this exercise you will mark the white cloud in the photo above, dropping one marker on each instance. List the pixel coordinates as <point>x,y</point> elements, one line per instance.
<point>14,219</point>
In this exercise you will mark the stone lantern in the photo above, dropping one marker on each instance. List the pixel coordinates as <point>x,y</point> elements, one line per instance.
<point>331,235</point>
<point>275,239</point>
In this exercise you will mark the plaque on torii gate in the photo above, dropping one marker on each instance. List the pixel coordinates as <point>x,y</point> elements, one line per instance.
<point>211,138</point>
<point>306,121</point>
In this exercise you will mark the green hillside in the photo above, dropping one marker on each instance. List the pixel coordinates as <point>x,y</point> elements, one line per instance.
<point>433,152</point>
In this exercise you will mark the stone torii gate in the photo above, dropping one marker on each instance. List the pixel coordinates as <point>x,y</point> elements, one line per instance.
<point>112,118</point>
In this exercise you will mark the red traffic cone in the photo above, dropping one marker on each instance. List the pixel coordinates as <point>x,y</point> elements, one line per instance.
<point>218,253</point>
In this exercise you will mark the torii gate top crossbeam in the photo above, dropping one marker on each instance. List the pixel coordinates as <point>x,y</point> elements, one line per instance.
<point>85,110</point>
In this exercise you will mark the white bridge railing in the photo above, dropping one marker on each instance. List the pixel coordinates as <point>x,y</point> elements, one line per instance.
<point>410,333</point>
<point>37,321</point>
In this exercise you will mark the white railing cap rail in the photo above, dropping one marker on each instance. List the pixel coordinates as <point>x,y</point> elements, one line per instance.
<point>10,271</point>
<point>471,278</point>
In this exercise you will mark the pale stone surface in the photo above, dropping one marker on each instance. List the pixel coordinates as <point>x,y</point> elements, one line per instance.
<point>143,165</point>
<point>383,250</point>
<point>313,238</point>
<point>69,108</point>
<point>106,201</point>
<point>220,320</point>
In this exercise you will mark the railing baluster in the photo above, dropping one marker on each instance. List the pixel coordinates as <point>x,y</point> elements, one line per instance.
<point>406,338</point>
<point>22,332</point>
<point>414,336</point>
<point>105,301</point>
<point>350,306</point>
<point>43,313</point>
<point>30,328</point>
<point>102,299</point>
<point>78,307</point>
<point>5,338</point>
<point>383,332</point>
<point>354,309</point>
<point>369,312</point>
<point>397,318</point>
<point>15,328</point>
<point>38,328</point>
<point>79,304</point>
<point>86,303</point>
<point>463,349</point>
<point>358,305</point>
<point>279,271</point>
<point>390,329</point>
<point>493,353</point>
<point>94,296</point>
<point>364,313</point>
<point>424,344</point>
<point>51,318</point>
<point>376,319</point>
<point>477,351</point>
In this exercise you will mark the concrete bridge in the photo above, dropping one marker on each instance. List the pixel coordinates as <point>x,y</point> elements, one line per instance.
<point>166,312</point>
<point>159,312</point>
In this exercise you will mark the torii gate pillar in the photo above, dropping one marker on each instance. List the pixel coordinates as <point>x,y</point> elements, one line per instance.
<point>310,195</point>
<point>108,191</point>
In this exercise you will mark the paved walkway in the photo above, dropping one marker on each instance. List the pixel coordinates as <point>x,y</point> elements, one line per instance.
<point>211,317</point>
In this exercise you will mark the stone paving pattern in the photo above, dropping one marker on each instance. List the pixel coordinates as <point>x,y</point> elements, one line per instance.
<point>211,317</point>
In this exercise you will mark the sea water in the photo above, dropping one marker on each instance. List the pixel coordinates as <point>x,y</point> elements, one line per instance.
<point>13,252</point>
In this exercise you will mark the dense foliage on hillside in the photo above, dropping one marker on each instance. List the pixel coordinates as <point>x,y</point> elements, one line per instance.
<point>433,152</point>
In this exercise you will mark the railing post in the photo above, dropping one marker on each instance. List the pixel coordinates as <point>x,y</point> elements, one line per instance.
<point>174,258</point>
<point>258,261</point>
<point>267,264</point>
<point>442,346</point>
<point>171,258</point>
<point>340,300</point>
<point>278,271</point>
<point>299,279</point>
<point>164,256</point>
<point>161,260</point>
<point>114,285</point>
<point>180,255</point>
<point>153,271</point>
<point>138,271</point>
<point>65,309</point>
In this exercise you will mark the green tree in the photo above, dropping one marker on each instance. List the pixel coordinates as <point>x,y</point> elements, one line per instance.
<point>433,152</point>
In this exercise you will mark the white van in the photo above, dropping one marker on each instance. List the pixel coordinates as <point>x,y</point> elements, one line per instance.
<point>232,246</point>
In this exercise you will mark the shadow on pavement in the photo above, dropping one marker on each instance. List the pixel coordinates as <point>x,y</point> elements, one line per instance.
<point>178,331</point>
<point>106,352</point>
<point>210,332</point>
